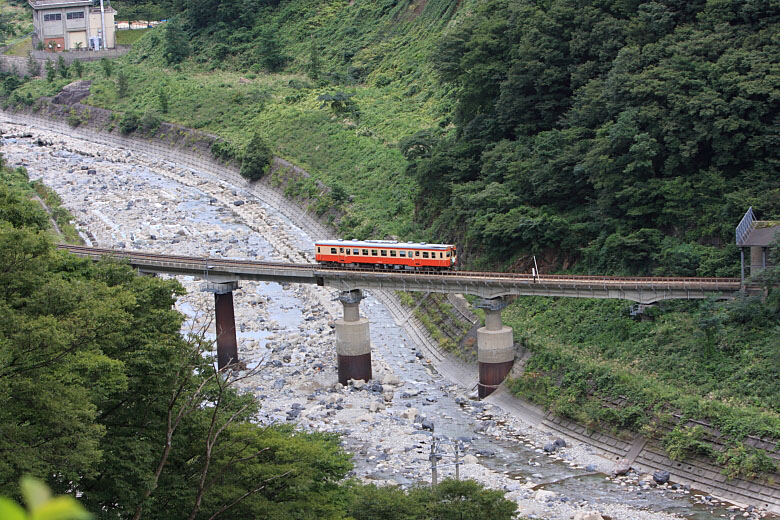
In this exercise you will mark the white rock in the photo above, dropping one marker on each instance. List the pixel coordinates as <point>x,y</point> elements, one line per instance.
<point>391,379</point>
<point>470,459</point>
<point>587,515</point>
<point>544,496</point>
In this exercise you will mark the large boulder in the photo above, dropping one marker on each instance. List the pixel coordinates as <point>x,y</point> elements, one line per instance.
<point>661,477</point>
<point>72,93</point>
<point>621,468</point>
<point>587,515</point>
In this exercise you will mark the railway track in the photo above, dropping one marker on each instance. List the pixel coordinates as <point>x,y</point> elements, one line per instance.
<point>207,264</point>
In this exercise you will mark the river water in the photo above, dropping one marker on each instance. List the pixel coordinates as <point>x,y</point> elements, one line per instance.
<point>134,202</point>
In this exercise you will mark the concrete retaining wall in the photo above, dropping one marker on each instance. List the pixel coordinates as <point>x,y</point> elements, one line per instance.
<point>191,149</point>
<point>19,63</point>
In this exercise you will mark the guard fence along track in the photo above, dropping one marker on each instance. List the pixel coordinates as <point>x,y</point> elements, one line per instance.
<point>485,284</point>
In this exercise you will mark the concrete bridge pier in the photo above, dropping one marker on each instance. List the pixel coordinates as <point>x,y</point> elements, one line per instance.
<point>353,343</point>
<point>227,345</point>
<point>495,347</point>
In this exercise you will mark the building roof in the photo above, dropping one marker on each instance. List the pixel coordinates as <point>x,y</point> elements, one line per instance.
<point>762,234</point>
<point>383,244</point>
<point>57,4</point>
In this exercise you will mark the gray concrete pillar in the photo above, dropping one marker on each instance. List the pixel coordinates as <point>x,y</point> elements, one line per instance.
<point>757,260</point>
<point>495,347</point>
<point>353,343</point>
<point>227,344</point>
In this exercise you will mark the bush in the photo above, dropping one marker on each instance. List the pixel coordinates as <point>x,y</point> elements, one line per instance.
<point>256,160</point>
<point>129,123</point>
<point>150,122</point>
<point>684,442</point>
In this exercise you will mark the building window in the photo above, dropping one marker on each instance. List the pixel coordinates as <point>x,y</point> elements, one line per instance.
<point>52,17</point>
<point>75,15</point>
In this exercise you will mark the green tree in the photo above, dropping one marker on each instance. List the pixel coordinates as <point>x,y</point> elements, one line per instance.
<point>269,53</point>
<point>176,45</point>
<point>121,84</point>
<point>33,65</point>
<point>256,159</point>
<point>62,67</point>
<point>51,71</point>
<point>107,66</point>
<point>78,68</point>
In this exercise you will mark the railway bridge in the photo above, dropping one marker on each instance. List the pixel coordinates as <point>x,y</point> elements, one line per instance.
<point>495,344</point>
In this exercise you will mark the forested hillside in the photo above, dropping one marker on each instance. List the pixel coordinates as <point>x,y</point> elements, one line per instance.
<point>614,136</point>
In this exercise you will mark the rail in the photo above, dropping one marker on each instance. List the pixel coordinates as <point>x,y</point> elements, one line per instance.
<point>207,264</point>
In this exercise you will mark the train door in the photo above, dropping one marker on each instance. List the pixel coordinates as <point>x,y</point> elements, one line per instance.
<point>342,256</point>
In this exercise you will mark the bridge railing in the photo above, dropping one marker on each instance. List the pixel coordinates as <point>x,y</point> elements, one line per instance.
<point>745,226</point>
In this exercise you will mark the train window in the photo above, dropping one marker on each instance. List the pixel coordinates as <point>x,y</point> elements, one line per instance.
<point>318,249</point>
<point>441,255</point>
<point>333,250</point>
<point>341,250</point>
<point>403,253</point>
<point>425,254</point>
<point>365,252</point>
<point>392,253</point>
<point>373,252</point>
<point>349,251</point>
<point>356,251</point>
<point>384,252</point>
<point>416,253</point>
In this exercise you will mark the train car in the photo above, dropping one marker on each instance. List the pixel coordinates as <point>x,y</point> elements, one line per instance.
<point>385,254</point>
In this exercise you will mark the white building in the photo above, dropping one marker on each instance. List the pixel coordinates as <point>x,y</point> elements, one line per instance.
<point>72,24</point>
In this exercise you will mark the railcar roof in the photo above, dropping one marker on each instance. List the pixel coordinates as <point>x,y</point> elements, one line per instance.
<point>385,244</point>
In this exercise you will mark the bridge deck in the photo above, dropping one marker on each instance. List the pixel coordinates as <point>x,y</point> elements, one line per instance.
<point>486,285</point>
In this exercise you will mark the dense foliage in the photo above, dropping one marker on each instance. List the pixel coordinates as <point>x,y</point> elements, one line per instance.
<point>630,135</point>
<point>103,397</point>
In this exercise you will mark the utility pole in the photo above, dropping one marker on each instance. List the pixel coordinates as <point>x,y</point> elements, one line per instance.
<point>103,24</point>
<point>434,471</point>
<point>457,462</point>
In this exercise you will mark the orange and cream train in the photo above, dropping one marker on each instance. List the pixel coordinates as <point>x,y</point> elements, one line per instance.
<point>386,254</point>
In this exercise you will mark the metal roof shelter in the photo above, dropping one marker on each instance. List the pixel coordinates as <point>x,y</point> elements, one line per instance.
<point>757,235</point>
